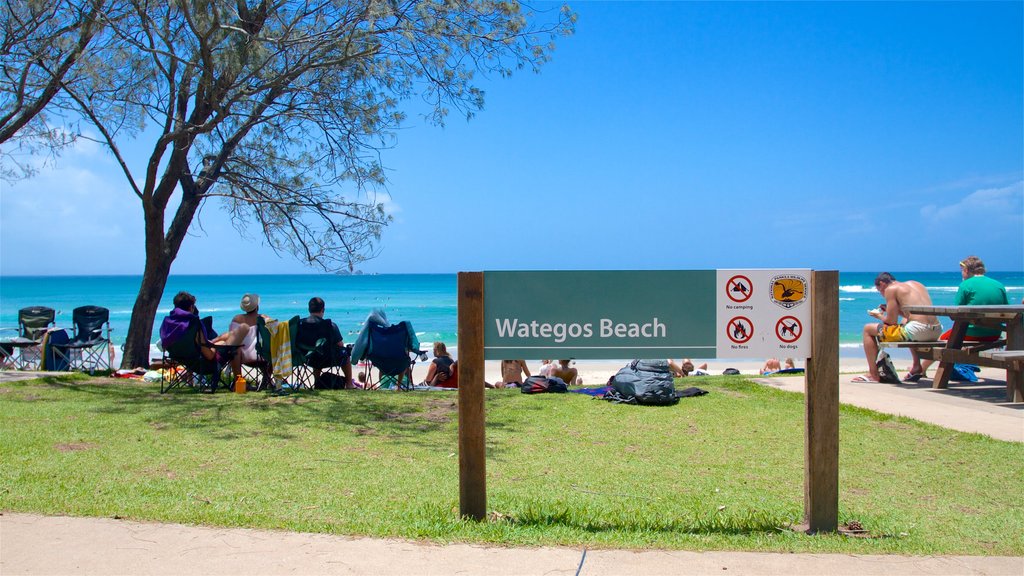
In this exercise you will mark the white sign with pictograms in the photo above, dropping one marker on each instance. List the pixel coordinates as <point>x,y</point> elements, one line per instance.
<point>764,313</point>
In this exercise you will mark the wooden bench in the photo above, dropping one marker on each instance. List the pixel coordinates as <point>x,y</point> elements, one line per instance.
<point>913,345</point>
<point>1008,357</point>
<point>1008,317</point>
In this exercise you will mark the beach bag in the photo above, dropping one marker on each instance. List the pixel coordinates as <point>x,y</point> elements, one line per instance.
<point>964,373</point>
<point>886,370</point>
<point>329,381</point>
<point>542,384</point>
<point>643,382</point>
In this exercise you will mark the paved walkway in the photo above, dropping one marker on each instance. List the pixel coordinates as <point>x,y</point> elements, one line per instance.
<point>36,545</point>
<point>969,407</point>
<point>15,375</point>
<point>42,545</point>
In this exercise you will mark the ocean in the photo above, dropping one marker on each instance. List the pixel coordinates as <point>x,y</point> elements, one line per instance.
<point>428,301</point>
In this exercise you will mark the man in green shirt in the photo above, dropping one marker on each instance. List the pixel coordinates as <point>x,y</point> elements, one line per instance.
<point>979,290</point>
<point>976,290</point>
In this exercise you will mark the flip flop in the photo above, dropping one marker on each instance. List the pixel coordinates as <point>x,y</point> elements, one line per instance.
<point>864,379</point>
<point>913,377</point>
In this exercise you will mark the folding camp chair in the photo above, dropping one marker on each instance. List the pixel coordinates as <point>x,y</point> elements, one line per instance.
<point>264,377</point>
<point>388,352</point>
<point>23,352</point>
<point>89,348</point>
<point>317,348</point>
<point>386,347</point>
<point>183,363</point>
<point>313,343</point>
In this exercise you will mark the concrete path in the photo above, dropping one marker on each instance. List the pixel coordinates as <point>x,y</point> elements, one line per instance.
<point>15,375</point>
<point>969,407</point>
<point>40,545</point>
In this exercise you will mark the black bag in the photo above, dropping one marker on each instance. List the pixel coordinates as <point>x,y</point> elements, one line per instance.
<point>643,382</point>
<point>329,381</point>
<point>541,384</point>
<point>886,370</point>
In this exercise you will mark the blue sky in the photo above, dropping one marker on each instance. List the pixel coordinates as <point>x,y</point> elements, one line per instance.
<point>671,135</point>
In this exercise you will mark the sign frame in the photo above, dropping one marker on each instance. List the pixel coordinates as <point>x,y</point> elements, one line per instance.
<point>821,382</point>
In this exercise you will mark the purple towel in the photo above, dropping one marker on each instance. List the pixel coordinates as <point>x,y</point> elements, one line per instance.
<point>592,391</point>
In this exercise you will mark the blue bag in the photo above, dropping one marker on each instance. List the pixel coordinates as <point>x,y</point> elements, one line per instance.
<point>964,373</point>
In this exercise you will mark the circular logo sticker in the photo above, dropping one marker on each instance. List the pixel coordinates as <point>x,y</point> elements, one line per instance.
<point>789,290</point>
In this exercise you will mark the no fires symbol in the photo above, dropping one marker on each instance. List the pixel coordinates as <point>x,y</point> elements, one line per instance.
<point>740,329</point>
<point>788,329</point>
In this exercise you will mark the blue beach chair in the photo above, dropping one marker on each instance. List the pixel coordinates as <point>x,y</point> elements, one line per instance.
<point>387,347</point>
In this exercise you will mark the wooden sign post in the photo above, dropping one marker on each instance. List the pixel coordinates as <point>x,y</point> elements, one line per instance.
<point>821,394</point>
<point>619,314</point>
<point>472,444</point>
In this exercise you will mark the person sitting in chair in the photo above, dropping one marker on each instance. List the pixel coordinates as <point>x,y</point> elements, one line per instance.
<point>338,353</point>
<point>440,369</point>
<point>242,332</point>
<point>177,323</point>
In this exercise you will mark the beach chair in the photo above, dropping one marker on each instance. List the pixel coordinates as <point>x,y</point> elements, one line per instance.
<point>183,363</point>
<point>23,351</point>
<point>89,347</point>
<point>387,347</point>
<point>262,365</point>
<point>315,349</point>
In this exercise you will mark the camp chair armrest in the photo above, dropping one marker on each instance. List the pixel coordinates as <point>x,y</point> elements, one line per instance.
<point>15,329</point>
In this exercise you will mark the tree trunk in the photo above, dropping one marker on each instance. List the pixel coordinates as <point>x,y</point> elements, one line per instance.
<point>161,250</point>
<point>140,329</point>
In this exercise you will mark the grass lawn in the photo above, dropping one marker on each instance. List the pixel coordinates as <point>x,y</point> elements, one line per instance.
<point>721,471</point>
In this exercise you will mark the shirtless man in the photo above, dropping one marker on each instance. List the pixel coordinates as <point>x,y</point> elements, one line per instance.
<point>567,373</point>
<point>915,327</point>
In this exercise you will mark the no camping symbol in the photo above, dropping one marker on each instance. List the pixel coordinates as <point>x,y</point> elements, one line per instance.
<point>739,288</point>
<point>740,330</point>
<point>789,329</point>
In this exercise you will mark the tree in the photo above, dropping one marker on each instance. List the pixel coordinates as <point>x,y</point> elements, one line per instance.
<point>277,110</point>
<point>42,46</point>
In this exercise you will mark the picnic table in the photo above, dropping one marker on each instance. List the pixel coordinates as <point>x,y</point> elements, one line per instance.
<point>1010,318</point>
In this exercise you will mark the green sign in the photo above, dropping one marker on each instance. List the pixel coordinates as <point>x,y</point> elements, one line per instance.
<point>599,314</point>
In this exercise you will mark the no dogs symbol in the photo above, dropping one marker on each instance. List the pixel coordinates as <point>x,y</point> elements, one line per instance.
<point>788,329</point>
<point>740,330</point>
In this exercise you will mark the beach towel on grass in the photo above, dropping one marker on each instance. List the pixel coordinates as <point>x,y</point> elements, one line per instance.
<point>595,392</point>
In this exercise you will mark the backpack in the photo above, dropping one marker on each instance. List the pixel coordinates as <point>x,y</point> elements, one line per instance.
<point>643,382</point>
<point>541,384</point>
<point>886,370</point>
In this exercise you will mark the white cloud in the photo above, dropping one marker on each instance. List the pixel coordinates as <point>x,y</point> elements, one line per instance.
<point>980,206</point>
<point>66,213</point>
